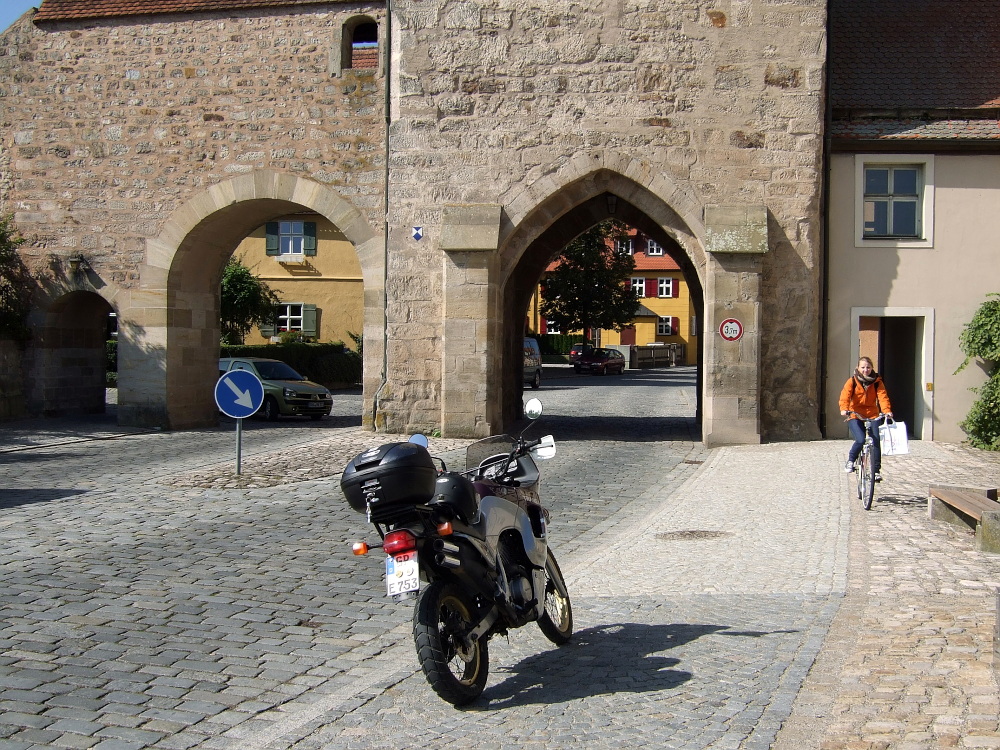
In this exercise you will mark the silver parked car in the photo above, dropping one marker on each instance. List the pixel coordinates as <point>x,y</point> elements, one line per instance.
<point>285,391</point>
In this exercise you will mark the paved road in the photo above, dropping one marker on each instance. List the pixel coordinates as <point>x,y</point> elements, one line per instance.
<point>723,599</point>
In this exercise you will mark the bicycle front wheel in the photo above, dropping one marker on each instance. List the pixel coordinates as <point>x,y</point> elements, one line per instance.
<point>867,481</point>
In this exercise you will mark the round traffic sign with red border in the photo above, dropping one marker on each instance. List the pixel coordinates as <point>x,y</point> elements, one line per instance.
<point>731,329</point>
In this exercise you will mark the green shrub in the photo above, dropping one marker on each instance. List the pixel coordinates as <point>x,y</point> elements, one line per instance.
<point>111,355</point>
<point>15,285</point>
<point>331,364</point>
<point>981,339</point>
<point>558,343</point>
<point>982,423</point>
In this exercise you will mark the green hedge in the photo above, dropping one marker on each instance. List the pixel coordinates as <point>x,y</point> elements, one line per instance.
<point>557,343</point>
<point>331,365</point>
<point>111,363</point>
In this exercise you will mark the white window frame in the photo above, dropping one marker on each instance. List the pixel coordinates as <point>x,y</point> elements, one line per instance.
<point>551,327</point>
<point>926,163</point>
<point>653,248</point>
<point>668,321</point>
<point>671,287</point>
<point>639,285</point>
<point>291,243</point>
<point>284,314</point>
<point>625,246</point>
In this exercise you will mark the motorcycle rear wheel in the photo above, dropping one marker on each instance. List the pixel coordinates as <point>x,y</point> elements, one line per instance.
<point>442,615</point>
<point>556,621</point>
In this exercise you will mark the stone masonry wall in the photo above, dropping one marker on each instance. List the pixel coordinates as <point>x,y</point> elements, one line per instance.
<point>723,98</point>
<point>108,126</point>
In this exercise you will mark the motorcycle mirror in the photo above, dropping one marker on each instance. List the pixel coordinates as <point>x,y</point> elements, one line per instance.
<point>533,409</point>
<point>419,440</point>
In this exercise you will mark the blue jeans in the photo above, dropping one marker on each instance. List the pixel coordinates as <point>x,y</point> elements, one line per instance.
<point>857,428</point>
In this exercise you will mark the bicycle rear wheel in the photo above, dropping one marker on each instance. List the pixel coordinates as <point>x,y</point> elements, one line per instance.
<point>867,480</point>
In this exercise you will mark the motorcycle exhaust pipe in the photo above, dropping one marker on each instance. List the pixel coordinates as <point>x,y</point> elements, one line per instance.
<point>447,561</point>
<point>448,554</point>
<point>440,545</point>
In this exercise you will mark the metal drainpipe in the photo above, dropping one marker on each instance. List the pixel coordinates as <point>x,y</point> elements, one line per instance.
<point>824,211</point>
<point>385,223</point>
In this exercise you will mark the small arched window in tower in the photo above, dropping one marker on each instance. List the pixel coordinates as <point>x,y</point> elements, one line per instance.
<point>364,46</point>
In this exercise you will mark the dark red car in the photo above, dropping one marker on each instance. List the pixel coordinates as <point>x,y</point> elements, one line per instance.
<point>600,361</point>
<point>577,350</point>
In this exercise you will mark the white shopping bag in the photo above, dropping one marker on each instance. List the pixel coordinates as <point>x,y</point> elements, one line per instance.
<point>892,438</point>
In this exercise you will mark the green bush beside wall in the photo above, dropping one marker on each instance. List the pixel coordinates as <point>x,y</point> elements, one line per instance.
<point>331,365</point>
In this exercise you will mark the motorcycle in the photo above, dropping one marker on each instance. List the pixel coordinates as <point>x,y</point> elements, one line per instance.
<point>469,546</point>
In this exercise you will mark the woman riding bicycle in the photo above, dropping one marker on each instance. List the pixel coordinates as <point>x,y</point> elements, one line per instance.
<point>864,397</point>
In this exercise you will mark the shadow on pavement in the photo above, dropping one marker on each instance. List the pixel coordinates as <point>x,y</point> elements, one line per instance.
<point>621,429</point>
<point>15,498</point>
<point>620,658</point>
<point>901,500</point>
<point>600,661</point>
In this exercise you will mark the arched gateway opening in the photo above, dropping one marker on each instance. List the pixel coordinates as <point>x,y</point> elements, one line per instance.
<point>70,344</point>
<point>720,249</point>
<point>540,237</point>
<point>176,312</point>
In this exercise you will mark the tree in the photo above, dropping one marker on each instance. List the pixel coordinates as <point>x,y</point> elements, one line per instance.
<point>981,339</point>
<point>590,287</point>
<point>246,302</point>
<point>15,284</point>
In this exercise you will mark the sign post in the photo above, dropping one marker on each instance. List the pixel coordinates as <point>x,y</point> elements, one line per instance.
<point>239,394</point>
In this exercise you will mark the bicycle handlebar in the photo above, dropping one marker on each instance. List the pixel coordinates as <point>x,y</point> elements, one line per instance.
<point>866,419</point>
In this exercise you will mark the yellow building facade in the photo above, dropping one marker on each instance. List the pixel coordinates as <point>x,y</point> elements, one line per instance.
<point>315,272</point>
<point>666,313</point>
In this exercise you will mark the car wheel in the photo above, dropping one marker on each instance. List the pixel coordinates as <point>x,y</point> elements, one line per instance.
<point>270,410</point>
<point>536,382</point>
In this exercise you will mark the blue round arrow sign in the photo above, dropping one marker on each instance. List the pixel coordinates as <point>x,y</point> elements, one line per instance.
<point>239,394</point>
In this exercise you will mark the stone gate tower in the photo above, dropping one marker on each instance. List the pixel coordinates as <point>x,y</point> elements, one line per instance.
<point>146,144</point>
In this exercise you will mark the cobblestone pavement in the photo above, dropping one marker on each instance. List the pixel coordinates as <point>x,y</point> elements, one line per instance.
<point>733,598</point>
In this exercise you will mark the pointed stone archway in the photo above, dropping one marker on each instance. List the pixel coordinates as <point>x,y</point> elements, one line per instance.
<point>169,326</point>
<point>720,253</point>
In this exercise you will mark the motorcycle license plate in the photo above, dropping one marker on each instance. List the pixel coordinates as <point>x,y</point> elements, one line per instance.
<point>401,573</point>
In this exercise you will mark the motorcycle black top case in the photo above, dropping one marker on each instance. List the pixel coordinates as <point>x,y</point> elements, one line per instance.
<point>396,476</point>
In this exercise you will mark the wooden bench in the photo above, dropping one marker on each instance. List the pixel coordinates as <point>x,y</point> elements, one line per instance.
<point>974,507</point>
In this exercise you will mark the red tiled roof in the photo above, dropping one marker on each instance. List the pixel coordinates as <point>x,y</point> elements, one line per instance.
<point>70,10</point>
<point>914,54</point>
<point>909,129</point>
<point>645,262</point>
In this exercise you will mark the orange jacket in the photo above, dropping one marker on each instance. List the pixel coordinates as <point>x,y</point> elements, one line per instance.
<point>868,400</point>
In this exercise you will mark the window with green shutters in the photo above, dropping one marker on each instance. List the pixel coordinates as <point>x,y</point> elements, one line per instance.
<point>292,316</point>
<point>290,239</point>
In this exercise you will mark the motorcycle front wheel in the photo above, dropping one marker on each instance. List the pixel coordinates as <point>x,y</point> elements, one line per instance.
<point>455,672</point>
<point>556,621</point>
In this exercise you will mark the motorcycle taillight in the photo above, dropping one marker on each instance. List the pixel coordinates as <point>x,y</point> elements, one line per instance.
<point>399,541</point>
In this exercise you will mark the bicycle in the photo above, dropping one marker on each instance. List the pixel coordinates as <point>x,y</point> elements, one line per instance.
<point>866,477</point>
